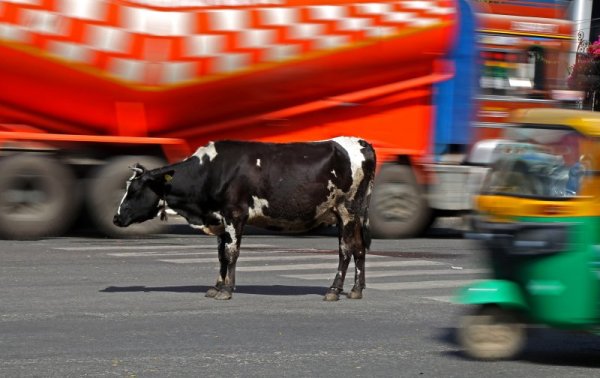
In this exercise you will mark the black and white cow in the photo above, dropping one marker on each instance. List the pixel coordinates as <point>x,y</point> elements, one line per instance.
<point>290,187</point>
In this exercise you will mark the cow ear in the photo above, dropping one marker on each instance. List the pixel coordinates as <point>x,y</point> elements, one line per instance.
<point>161,177</point>
<point>159,180</point>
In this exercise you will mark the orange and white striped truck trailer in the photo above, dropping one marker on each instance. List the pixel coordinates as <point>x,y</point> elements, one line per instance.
<point>88,87</point>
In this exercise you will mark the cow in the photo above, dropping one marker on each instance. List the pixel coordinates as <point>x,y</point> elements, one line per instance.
<point>288,187</point>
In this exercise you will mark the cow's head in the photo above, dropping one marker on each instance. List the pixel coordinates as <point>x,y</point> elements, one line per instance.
<point>142,196</point>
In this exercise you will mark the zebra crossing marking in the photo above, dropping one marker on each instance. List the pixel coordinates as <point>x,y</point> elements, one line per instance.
<point>442,298</point>
<point>378,266</point>
<point>160,254</point>
<point>413,285</point>
<point>255,258</point>
<point>149,247</point>
<point>394,273</point>
<point>369,264</point>
<point>208,253</point>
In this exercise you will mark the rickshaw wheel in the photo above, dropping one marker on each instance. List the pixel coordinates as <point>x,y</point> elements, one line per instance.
<point>492,333</point>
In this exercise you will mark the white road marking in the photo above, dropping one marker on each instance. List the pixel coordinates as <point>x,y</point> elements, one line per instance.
<point>418,285</point>
<point>445,299</point>
<point>151,247</point>
<point>243,253</point>
<point>266,259</point>
<point>159,254</point>
<point>394,273</point>
<point>377,264</point>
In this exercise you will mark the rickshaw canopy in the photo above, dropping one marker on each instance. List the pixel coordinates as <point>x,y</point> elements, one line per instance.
<point>585,122</point>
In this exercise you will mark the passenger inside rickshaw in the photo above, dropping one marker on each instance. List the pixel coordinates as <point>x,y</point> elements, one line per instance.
<point>541,163</point>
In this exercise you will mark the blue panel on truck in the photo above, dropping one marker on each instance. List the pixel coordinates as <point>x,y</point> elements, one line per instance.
<point>453,99</point>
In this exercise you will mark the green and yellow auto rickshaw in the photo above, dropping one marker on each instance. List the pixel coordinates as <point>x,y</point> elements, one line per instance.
<point>539,218</point>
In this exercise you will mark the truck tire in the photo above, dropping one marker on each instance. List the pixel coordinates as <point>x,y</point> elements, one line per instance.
<point>398,207</point>
<point>39,197</point>
<point>104,192</point>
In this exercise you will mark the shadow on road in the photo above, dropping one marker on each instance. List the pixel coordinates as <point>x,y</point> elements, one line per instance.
<point>249,289</point>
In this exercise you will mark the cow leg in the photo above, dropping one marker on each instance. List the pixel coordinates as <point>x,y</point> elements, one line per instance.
<point>359,250</point>
<point>232,238</point>
<point>213,291</point>
<point>345,253</point>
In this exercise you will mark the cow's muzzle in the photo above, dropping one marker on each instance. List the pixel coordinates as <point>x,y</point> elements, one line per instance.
<point>118,221</point>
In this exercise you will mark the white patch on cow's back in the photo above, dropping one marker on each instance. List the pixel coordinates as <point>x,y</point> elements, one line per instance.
<point>333,173</point>
<point>258,162</point>
<point>354,150</point>
<point>208,150</point>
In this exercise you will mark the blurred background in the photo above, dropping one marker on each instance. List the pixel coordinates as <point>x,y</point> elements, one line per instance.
<point>89,87</point>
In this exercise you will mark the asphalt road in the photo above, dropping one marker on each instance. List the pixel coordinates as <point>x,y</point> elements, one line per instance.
<point>81,306</point>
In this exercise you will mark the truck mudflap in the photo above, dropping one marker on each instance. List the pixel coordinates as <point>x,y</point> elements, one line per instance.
<point>503,293</point>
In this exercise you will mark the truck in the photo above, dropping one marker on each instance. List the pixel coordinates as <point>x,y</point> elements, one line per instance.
<point>89,87</point>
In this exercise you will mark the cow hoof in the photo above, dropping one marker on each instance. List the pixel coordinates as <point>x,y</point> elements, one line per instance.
<point>212,292</point>
<point>331,296</point>
<point>355,294</point>
<point>223,295</point>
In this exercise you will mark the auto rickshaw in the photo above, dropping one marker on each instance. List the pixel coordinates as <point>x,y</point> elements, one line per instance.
<point>538,215</point>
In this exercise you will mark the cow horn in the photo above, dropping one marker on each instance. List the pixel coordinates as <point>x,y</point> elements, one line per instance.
<point>137,169</point>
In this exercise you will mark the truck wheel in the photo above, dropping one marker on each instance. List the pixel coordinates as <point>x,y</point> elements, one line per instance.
<point>492,333</point>
<point>398,208</point>
<point>105,190</point>
<point>38,197</point>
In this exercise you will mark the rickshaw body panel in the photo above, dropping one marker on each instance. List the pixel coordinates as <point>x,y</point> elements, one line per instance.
<point>549,259</point>
<point>493,292</point>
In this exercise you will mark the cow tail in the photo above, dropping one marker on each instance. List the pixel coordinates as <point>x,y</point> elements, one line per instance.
<point>365,227</point>
<point>370,168</point>
<point>366,232</point>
